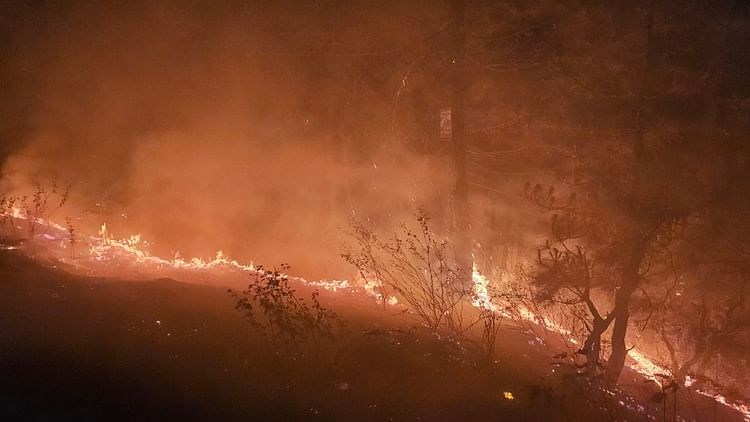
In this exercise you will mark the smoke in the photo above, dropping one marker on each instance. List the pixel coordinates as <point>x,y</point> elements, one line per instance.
<point>175,121</point>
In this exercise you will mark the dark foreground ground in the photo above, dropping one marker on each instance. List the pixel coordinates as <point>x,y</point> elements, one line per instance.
<point>76,348</point>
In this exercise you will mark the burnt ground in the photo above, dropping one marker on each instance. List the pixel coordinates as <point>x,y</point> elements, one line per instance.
<point>82,348</point>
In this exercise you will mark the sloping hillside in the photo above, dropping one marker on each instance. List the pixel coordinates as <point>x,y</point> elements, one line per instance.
<point>75,348</point>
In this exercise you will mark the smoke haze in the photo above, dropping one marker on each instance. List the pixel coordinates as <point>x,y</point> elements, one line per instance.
<point>193,126</point>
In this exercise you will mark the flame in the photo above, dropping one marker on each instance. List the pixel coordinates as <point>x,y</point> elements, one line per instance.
<point>646,366</point>
<point>105,248</point>
<point>331,285</point>
<point>373,286</point>
<point>103,232</point>
<point>482,298</point>
<point>743,408</point>
<point>639,361</point>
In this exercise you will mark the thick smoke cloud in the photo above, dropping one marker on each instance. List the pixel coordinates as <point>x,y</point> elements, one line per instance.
<point>199,128</point>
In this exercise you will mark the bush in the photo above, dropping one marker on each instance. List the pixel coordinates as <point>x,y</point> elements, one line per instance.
<point>415,267</point>
<point>35,210</point>
<point>293,325</point>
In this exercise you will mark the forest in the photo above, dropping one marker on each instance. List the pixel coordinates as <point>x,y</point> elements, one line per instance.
<point>402,210</point>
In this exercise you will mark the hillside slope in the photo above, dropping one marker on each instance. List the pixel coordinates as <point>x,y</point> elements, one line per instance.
<point>74,348</point>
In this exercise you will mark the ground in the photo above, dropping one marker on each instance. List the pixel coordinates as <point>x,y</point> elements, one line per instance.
<point>82,348</point>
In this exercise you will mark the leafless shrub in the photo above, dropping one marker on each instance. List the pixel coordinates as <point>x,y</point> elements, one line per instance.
<point>274,309</point>
<point>71,236</point>
<point>7,206</point>
<point>491,323</point>
<point>35,210</point>
<point>416,268</point>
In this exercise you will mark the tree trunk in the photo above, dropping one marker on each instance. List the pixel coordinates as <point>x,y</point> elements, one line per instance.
<point>593,344</point>
<point>462,242</point>
<point>631,272</point>
<point>631,279</point>
<point>619,351</point>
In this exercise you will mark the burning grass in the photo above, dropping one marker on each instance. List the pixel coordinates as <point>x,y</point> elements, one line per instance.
<point>425,273</point>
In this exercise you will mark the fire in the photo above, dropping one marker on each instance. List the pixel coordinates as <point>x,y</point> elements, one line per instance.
<point>482,298</point>
<point>639,361</point>
<point>105,248</point>
<point>744,409</point>
<point>646,366</point>
<point>103,233</point>
<point>374,287</point>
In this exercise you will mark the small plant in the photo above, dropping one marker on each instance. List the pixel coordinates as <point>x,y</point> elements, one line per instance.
<point>7,205</point>
<point>668,386</point>
<point>71,234</point>
<point>273,308</point>
<point>491,321</point>
<point>35,210</point>
<point>417,269</point>
<point>494,305</point>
